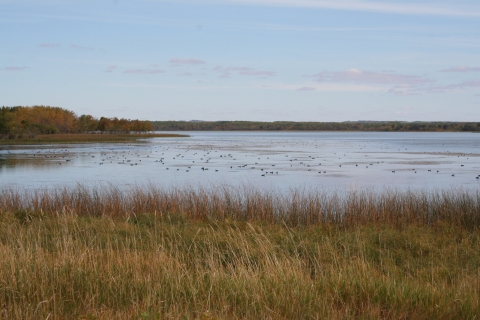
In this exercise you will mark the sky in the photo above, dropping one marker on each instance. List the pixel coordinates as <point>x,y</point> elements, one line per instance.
<point>255,60</point>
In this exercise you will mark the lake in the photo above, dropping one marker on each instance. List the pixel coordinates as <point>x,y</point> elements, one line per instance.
<point>265,160</point>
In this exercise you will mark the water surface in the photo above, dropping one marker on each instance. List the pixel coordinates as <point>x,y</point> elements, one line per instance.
<point>280,160</point>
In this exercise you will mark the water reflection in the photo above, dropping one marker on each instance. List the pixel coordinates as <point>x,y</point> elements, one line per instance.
<point>13,163</point>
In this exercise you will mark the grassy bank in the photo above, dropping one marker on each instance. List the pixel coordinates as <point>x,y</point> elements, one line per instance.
<point>84,138</point>
<point>239,254</point>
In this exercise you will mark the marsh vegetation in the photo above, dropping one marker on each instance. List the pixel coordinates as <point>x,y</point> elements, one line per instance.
<point>84,138</point>
<point>146,252</point>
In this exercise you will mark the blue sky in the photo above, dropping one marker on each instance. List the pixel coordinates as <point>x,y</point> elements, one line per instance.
<point>260,60</point>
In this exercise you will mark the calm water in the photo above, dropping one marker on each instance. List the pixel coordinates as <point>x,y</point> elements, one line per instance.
<point>281,160</point>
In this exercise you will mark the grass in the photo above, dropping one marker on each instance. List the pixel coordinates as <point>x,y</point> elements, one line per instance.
<point>192,253</point>
<point>84,138</point>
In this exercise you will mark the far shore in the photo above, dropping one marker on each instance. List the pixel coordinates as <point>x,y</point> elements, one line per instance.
<point>86,138</point>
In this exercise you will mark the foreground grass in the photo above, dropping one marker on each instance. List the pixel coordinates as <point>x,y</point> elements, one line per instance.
<point>192,262</point>
<point>84,138</point>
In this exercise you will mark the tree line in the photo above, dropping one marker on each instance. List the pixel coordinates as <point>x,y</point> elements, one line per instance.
<point>29,121</point>
<point>314,126</point>
<point>23,121</point>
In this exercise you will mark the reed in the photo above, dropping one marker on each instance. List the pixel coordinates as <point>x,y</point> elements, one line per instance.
<point>215,253</point>
<point>298,207</point>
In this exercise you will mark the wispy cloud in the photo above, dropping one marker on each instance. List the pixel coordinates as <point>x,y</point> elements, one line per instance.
<point>15,68</point>
<point>394,7</point>
<point>449,88</point>
<point>49,45</point>
<point>462,69</point>
<point>77,47</point>
<point>110,69</point>
<point>325,87</point>
<point>144,71</point>
<point>187,61</point>
<point>359,76</point>
<point>211,88</point>
<point>244,71</point>
<point>468,84</point>
<point>260,73</point>
<point>399,84</point>
<point>306,89</point>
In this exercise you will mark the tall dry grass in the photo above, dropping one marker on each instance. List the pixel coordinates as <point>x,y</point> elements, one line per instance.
<point>193,253</point>
<point>298,207</point>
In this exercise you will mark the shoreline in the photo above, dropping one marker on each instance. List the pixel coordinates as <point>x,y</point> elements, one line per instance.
<point>86,138</point>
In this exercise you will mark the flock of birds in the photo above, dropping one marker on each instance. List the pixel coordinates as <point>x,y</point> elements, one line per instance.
<point>267,158</point>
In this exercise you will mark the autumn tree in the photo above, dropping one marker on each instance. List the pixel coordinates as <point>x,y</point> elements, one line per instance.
<point>87,123</point>
<point>104,124</point>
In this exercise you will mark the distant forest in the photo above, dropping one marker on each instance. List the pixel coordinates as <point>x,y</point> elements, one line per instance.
<point>314,126</point>
<point>19,122</point>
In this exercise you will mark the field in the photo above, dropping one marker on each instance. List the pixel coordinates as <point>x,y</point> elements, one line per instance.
<point>83,138</point>
<point>223,253</point>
